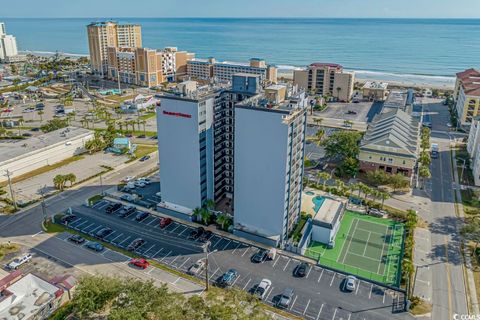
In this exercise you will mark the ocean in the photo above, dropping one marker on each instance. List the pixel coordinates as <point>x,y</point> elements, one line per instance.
<point>399,50</point>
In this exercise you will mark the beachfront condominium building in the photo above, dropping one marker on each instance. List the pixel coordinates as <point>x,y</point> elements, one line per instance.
<point>375,91</point>
<point>199,157</point>
<point>467,96</point>
<point>326,79</point>
<point>8,44</point>
<point>473,148</point>
<point>222,71</point>
<point>102,35</point>
<point>269,155</point>
<point>390,143</point>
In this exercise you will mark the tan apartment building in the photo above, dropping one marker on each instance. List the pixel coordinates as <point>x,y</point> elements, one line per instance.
<point>467,96</point>
<point>181,59</point>
<point>102,35</point>
<point>390,144</point>
<point>326,79</point>
<point>375,91</point>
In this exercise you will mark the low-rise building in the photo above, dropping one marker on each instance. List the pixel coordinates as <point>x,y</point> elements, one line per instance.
<point>473,148</point>
<point>467,96</point>
<point>390,144</point>
<point>375,91</point>
<point>326,79</point>
<point>18,157</point>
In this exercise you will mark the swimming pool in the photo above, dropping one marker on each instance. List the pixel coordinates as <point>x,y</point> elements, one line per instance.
<point>318,201</point>
<point>310,193</point>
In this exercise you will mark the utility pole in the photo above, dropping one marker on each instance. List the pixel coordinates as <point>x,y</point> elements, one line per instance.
<point>44,208</point>
<point>118,79</point>
<point>11,190</point>
<point>205,249</point>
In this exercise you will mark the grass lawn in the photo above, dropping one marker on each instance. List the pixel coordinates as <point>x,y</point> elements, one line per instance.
<point>144,149</point>
<point>44,169</point>
<point>6,248</point>
<point>148,116</point>
<point>366,246</point>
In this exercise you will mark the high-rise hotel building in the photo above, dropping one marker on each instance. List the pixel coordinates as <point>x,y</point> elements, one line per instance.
<point>102,35</point>
<point>242,146</point>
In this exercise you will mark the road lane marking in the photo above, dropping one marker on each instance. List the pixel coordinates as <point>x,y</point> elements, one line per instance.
<point>384,296</point>
<point>335,313</point>
<point>349,316</point>
<point>321,274</point>
<point>239,244</point>
<point>285,268</point>
<point>449,283</point>
<point>246,284</point>
<point>308,273</point>
<point>320,311</point>
<point>36,234</point>
<point>308,303</point>
<point>293,303</point>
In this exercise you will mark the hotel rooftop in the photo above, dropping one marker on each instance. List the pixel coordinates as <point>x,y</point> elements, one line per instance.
<point>471,81</point>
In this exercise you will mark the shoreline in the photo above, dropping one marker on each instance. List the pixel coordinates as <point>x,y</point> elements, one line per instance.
<point>361,76</point>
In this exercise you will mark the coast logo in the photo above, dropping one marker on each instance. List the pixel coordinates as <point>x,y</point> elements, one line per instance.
<point>177,114</point>
<point>466,316</point>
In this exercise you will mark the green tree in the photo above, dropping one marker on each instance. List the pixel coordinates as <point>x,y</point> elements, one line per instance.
<point>383,196</point>
<point>398,181</point>
<point>209,204</point>
<point>424,173</point>
<point>377,177</point>
<point>349,167</point>
<point>54,124</point>
<point>341,145</point>
<point>70,178</point>
<point>425,158</point>
<point>3,131</point>
<point>205,215</point>
<point>318,121</point>
<point>324,176</point>
<point>59,182</point>
<point>471,232</point>
<point>40,114</point>
<point>222,220</point>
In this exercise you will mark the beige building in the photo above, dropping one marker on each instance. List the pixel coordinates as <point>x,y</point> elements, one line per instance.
<point>390,144</point>
<point>375,91</point>
<point>326,79</point>
<point>102,35</point>
<point>181,59</point>
<point>467,96</point>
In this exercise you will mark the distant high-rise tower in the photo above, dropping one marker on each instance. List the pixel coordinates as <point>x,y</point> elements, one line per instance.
<point>8,44</point>
<point>102,35</point>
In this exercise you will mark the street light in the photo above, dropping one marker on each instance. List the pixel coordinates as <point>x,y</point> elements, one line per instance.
<point>205,250</point>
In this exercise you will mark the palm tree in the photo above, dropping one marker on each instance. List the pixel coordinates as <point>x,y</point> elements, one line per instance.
<point>71,178</point>
<point>340,185</point>
<point>324,176</point>
<point>318,121</point>
<point>383,196</point>
<point>205,214</point>
<point>197,212</point>
<point>144,122</point>
<point>209,204</point>
<point>3,131</point>
<point>319,136</point>
<point>40,113</point>
<point>222,219</point>
<point>59,182</point>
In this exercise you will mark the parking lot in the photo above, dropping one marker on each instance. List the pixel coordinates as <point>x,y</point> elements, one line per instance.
<point>318,295</point>
<point>362,111</point>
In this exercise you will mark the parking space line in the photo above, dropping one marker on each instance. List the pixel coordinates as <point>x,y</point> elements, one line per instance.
<point>186,228</point>
<point>120,243</point>
<point>178,225</point>
<point>156,253</point>
<point>184,263</point>
<point>235,281</point>
<point>226,245</point>
<point>246,284</point>
<point>91,224</point>
<point>335,313</point>
<point>285,268</point>
<point>308,303</point>
<point>320,311</point>
<point>333,278</point>
<point>77,227</point>
<point>370,294</point>
<point>71,225</point>
<point>246,251</point>
<point>121,234</point>
<point>293,303</point>
<point>92,231</point>
<point>219,239</point>
<point>239,244</point>
<point>213,274</point>
<point>166,255</point>
<point>309,271</point>
<point>271,290</point>
<point>349,316</point>
<point>321,274</point>
<point>155,219</point>
<point>275,262</point>
<point>111,234</point>
<point>384,296</point>
<point>145,253</point>
<point>171,262</point>
<point>358,286</point>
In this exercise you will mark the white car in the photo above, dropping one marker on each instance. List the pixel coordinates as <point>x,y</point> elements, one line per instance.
<point>449,125</point>
<point>140,184</point>
<point>197,267</point>
<point>144,180</point>
<point>128,179</point>
<point>262,288</point>
<point>350,283</point>
<point>18,262</point>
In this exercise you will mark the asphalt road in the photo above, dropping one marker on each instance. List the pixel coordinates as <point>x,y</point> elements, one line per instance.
<point>446,260</point>
<point>317,296</point>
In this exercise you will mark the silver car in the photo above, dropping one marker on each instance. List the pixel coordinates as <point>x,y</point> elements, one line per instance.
<point>350,283</point>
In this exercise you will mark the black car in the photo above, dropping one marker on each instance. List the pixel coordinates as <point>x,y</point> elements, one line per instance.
<point>141,215</point>
<point>35,129</point>
<point>102,233</point>
<point>351,112</point>
<point>69,218</point>
<point>301,270</point>
<point>40,106</point>
<point>206,235</point>
<point>197,233</point>
<point>135,244</point>
<point>144,158</point>
<point>260,256</point>
<point>76,239</point>
<point>126,211</point>
<point>112,207</point>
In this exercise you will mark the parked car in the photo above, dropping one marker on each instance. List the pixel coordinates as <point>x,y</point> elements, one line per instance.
<point>95,246</point>
<point>196,233</point>
<point>206,236</point>
<point>135,244</point>
<point>39,106</point>
<point>141,215</point>
<point>112,207</point>
<point>350,283</point>
<point>127,197</point>
<point>26,134</point>
<point>76,239</point>
<point>35,129</point>
<point>128,179</point>
<point>285,299</point>
<point>144,158</point>
<point>260,256</point>
<point>262,288</point>
<point>145,181</point>
<point>197,267</point>
<point>18,262</point>
<point>126,211</point>
<point>139,184</point>
<point>301,270</point>
<point>102,233</point>
<point>164,222</point>
<point>351,112</point>
<point>140,262</point>
<point>228,278</point>
<point>68,218</point>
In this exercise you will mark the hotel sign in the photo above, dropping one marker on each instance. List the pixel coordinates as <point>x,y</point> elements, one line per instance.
<point>177,114</point>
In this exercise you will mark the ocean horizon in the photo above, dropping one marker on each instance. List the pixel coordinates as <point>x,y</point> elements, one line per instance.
<point>423,51</point>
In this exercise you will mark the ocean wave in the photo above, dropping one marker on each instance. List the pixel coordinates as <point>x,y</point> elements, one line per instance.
<point>51,53</point>
<point>405,75</point>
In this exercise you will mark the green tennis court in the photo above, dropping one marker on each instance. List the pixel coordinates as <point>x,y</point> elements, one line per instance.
<point>365,246</point>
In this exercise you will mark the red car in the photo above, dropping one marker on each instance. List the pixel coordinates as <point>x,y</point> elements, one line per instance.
<point>165,222</point>
<point>141,263</point>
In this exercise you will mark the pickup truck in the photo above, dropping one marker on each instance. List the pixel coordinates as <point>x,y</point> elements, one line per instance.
<point>18,262</point>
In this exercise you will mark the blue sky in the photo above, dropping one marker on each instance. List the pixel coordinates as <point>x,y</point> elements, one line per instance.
<point>242,8</point>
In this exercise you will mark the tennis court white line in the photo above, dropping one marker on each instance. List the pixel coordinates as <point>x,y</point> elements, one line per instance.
<point>348,248</point>
<point>366,244</point>
<point>359,255</point>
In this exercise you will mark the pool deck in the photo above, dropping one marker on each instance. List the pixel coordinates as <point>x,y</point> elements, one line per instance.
<point>328,212</point>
